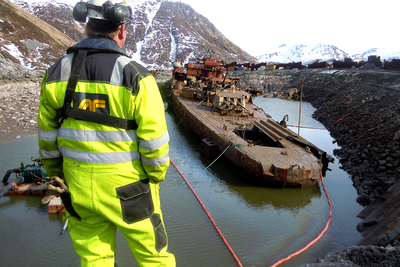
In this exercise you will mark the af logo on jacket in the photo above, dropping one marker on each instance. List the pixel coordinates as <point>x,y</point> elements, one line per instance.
<point>92,102</point>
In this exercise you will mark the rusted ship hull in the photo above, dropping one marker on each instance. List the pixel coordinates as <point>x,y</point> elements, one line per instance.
<point>211,106</point>
<point>279,162</point>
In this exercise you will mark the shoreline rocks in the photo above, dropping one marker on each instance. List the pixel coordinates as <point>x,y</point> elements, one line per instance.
<point>360,256</point>
<point>361,109</point>
<point>19,104</point>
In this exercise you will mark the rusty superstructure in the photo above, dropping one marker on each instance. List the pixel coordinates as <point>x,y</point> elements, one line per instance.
<point>211,106</point>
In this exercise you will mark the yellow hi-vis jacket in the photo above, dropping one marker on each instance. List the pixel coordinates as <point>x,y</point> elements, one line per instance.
<point>109,83</point>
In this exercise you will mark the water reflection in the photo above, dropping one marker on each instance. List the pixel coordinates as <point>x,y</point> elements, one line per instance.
<point>274,223</point>
<point>256,197</point>
<point>6,202</point>
<point>25,202</point>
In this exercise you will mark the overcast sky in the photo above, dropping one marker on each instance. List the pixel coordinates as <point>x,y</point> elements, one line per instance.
<point>351,25</point>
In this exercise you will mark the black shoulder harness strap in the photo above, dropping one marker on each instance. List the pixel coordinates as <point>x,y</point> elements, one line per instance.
<point>83,114</point>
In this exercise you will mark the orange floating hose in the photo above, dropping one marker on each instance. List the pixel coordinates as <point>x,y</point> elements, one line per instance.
<point>209,216</point>
<point>229,247</point>
<point>338,120</point>
<point>318,237</point>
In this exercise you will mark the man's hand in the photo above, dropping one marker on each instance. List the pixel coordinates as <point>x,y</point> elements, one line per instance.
<point>55,188</point>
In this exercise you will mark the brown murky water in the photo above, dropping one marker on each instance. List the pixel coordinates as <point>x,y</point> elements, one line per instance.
<point>262,225</point>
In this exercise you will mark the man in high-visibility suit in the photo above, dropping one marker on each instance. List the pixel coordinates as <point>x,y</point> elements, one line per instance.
<point>107,134</point>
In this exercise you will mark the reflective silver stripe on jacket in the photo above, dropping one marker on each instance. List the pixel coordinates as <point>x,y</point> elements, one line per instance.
<point>47,135</point>
<point>93,157</point>
<point>66,67</point>
<point>97,136</point>
<point>156,162</point>
<point>155,143</point>
<point>118,71</point>
<point>49,154</point>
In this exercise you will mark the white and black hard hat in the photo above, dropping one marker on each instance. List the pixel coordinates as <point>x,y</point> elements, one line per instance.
<point>118,12</point>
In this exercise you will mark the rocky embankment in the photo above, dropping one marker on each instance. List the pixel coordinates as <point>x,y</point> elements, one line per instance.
<point>19,99</point>
<point>368,134</point>
<point>361,109</point>
<point>367,103</point>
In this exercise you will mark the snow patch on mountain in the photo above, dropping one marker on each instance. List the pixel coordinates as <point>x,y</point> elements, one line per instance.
<point>305,53</point>
<point>384,53</point>
<point>174,44</point>
<point>309,53</point>
<point>13,50</point>
<point>165,30</point>
<point>151,11</point>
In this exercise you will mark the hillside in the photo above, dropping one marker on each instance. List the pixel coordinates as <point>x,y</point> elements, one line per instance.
<point>161,32</point>
<point>28,40</point>
<point>179,32</point>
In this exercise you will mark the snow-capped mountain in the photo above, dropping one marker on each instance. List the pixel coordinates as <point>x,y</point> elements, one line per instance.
<point>319,52</point>
<point>384,53</point>
<point>302,53</point>
<point>161,32</point>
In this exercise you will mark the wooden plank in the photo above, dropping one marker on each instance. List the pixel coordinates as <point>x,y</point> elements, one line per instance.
<point>265,130</point>
<point>384,198</point>
<point>275,127</point>
<point>383,233</point>
<point>55,206</point>
<point>386,211</point>
<point>29,189</point>
<point>39,190</point>
<point>24,189</point>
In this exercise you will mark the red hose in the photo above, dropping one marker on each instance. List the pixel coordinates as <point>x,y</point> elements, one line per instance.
<point>318,237</point>
<point>320,128</point>
<point>209,216</point>
<point>338,121</point>
<point>229,247</point>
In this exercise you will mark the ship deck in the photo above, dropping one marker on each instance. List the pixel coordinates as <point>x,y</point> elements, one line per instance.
<point>279,153</point>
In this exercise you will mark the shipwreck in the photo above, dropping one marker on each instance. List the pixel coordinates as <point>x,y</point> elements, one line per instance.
<point>212,106</point>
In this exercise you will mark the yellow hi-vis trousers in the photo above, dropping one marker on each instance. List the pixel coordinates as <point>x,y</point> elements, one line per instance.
<point>106,201</point>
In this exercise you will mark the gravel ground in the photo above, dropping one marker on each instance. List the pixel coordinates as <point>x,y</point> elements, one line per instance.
<point>18,109</point>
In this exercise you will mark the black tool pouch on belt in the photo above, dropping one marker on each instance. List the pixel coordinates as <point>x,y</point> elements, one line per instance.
<point>66,199</point>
